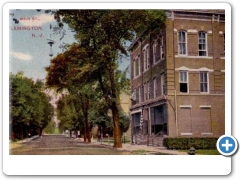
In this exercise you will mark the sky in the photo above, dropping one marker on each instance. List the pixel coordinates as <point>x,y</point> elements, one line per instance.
<point>29,35</point>
<point>28,42</point>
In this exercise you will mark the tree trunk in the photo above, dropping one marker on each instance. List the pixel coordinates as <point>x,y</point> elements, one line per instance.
<point>116,128</point>
<point>115,110</point>
<point>40,132</point>
<point>113,102</point>
<point>21,134</point>
<point>85,135</point>
<point>87,128</point>
<point>85,106</point>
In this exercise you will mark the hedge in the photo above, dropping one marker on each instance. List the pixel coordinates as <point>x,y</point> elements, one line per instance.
<point>186,143</point>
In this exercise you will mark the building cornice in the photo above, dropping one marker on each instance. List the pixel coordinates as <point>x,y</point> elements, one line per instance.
<point>149,103</point>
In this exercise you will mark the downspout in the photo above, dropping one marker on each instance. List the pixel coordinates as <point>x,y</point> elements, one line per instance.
<point>213,51</point>
<point>141,70</point>
<point>175,93</point>
<point>214,56</point>
<point>132,116</point>
<point>150,84</point>
<point>176,117</point>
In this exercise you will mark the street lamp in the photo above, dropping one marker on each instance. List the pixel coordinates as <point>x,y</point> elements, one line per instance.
<point>50,42</point>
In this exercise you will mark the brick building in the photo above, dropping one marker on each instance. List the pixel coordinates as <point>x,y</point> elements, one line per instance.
<point>178,76</point>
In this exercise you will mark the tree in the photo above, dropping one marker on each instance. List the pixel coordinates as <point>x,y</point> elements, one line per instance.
<point>76,105</point>
<point>30,110</point>
<point>101,35</point>
<point>70,118</point>
<point>63,74</point>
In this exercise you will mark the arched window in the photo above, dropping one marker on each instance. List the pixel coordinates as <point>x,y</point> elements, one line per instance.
<point>155,57</point>
<point>137,66</point>
<point>146,58</point>
<point>204,81</point>
<point>202,43</point>
<point>182,43</point>
<point>162,53</point>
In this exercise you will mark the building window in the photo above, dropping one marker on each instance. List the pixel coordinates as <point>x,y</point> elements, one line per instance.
<point>155,87</point>
<point>148,87</point>
<point>202,44</point>
<point>145,91</point>
<point>162,54</point>
<point>139,94</point>
<point>182,43</point>
<point>158,50</point>
<point>183,81</point>
<point>137,67</point>
<point>204,82</point>
<point>136,122</point>
<point>162,78</point>
<point>133,96</point>
<point>146,58</point>
<point>155,59</point>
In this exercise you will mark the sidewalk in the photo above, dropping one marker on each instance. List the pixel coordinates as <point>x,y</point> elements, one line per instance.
<point>13,145</point>
<point>149,149</point>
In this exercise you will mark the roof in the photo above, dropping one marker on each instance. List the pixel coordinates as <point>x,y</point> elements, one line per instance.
<point>187,12</point>
<point>207,11</point>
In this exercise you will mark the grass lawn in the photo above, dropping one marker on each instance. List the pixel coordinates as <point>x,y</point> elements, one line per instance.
<point>205,152</point>
<point>111,140</point>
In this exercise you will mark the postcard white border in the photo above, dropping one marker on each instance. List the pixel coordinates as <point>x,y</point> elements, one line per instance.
<point>115,165</point>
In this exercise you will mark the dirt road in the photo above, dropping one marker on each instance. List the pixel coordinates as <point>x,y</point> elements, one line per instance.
<point>61,145</point>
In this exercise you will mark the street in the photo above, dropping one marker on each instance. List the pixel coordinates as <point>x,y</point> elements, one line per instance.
<point>61,145</point>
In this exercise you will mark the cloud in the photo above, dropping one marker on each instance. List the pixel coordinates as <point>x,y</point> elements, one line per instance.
<point>37,20</point>
<point>21,56</point>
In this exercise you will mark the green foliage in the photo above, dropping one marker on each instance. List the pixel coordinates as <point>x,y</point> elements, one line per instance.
<point>100,115</point>
<point>100,36</point>
<point>124,121</point>
<point>50,128</point>
<point>30,110</point>
<point>67,112</point>
<point>156,20</point>
<point>187,143</point>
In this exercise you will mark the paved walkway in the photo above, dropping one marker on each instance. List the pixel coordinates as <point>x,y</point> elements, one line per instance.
<point>148,149</point>
<point>151,149</point>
